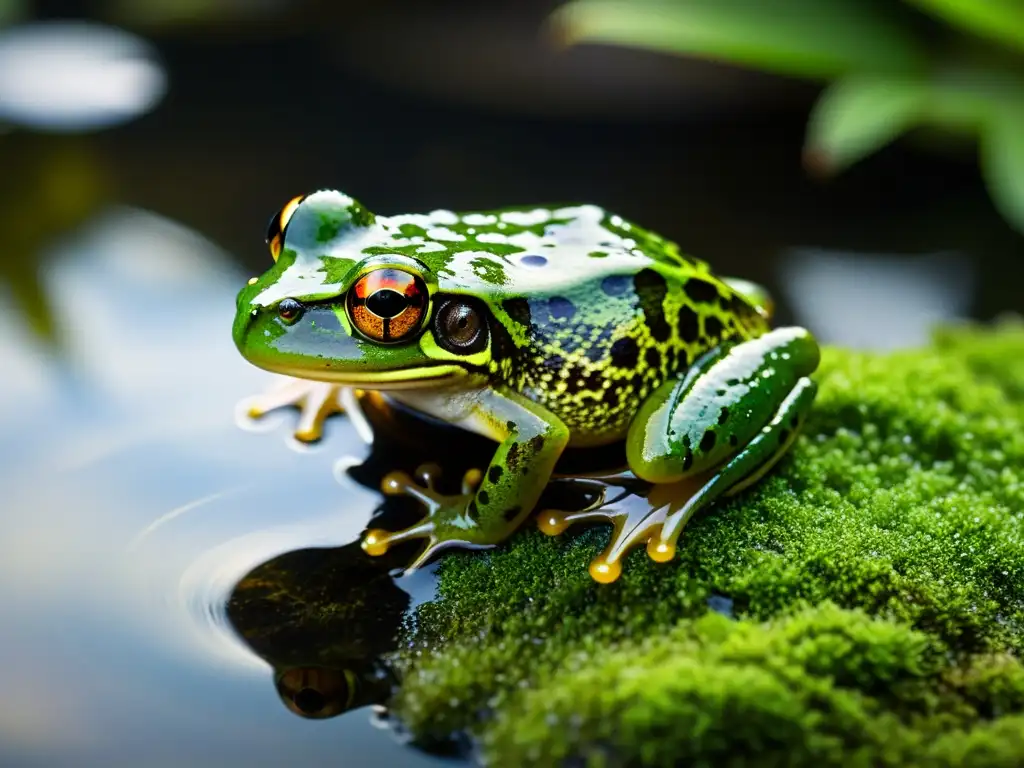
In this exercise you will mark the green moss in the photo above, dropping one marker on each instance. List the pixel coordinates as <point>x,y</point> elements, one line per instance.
<point>873,583</point>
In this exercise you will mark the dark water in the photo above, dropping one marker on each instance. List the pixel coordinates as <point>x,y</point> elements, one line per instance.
<point>134,503</point>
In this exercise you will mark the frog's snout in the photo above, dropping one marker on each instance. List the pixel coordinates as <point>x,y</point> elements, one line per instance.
<point>245,315</point>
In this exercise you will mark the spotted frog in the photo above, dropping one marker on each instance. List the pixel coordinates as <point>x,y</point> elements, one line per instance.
<point>540,328</point>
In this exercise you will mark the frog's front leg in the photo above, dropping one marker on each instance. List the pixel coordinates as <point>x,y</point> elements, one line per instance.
<point>493,503</point>
<point>317,401</point>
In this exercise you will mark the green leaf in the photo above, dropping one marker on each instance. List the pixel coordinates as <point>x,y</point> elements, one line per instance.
<point>857,116</point>
<point>33,304</point>
<point>807,38</point>
<point>1001,20</point>
<point>1002,163</point>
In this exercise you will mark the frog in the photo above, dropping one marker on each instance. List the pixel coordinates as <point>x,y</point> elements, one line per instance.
<point>542,328</point>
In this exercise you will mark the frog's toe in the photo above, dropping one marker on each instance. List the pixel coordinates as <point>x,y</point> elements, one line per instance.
<point>605,571</point>
<point>377,541</point>
<point>424,487</point>
<point>553,521</point>
<point>471,481</point>
<point>428,474</point>
<point>319,405</point>
<point>317,401</point>
<point>660,551</point>
<point>398,483</point>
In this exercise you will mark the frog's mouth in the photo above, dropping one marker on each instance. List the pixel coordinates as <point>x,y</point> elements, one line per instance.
<point>400,378</point>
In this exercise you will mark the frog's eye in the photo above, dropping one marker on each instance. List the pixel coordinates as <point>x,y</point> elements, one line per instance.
<point>459,327</point>
<point>278,224</point>
<point>387,304</point>
<point>289,310</point>
<point>317,692</point>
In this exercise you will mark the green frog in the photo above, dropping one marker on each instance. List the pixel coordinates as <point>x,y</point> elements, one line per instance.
<point>540,328</point>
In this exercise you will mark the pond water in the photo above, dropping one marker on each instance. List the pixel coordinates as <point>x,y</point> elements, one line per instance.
<point>134,502</point>
<point>182,585</point>
<point>179,586</point>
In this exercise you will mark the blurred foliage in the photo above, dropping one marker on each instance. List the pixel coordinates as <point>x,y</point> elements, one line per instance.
<point>952,65</point>
<point>53,185</point>
<point>11,10</point>
<point>169,15</point>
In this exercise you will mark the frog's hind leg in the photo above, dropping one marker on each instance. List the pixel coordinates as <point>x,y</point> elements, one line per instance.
<point>742,470</point>
<point>316,401</point>
<point>711,433</point>
<point>726,423</point>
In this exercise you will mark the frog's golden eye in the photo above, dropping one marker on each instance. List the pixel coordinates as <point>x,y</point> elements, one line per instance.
<point>387,304</point>
<point>278,224</point>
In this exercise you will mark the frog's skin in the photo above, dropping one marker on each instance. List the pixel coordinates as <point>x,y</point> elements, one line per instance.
<point>539,328</point>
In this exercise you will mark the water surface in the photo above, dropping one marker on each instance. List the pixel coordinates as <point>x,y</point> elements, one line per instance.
<point>133,503</point>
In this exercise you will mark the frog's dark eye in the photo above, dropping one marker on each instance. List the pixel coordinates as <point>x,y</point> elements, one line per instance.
<point>289,310</point>
<point>317,692</point>
<point>459,327</point>
<point>387,304</point>
<point>278,224</point>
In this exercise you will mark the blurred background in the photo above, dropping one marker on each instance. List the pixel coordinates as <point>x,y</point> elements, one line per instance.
<point>864,159</point>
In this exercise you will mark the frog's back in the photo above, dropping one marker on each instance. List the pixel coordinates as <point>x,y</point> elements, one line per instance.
<point>592,312</point>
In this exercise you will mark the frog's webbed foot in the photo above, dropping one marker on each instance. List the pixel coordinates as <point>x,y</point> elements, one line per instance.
<point>446,516</point>
<point>636,521</point>
<point>656,519</point>
<point>317,401</point>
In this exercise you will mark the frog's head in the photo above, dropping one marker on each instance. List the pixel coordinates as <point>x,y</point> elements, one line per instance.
<point>340,304</point>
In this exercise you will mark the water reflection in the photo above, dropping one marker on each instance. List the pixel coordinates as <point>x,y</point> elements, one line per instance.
<point>329,621</point>
<point>134,505</point>
<point>323,619</point>
<point>54,185</point>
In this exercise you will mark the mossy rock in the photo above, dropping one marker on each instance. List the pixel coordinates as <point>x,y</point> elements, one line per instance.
<point>860,606</point>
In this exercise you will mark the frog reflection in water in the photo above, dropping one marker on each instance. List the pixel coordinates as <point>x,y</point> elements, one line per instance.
<point>540,329</point>
<point>332,622</point>
<point>325,620</point>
